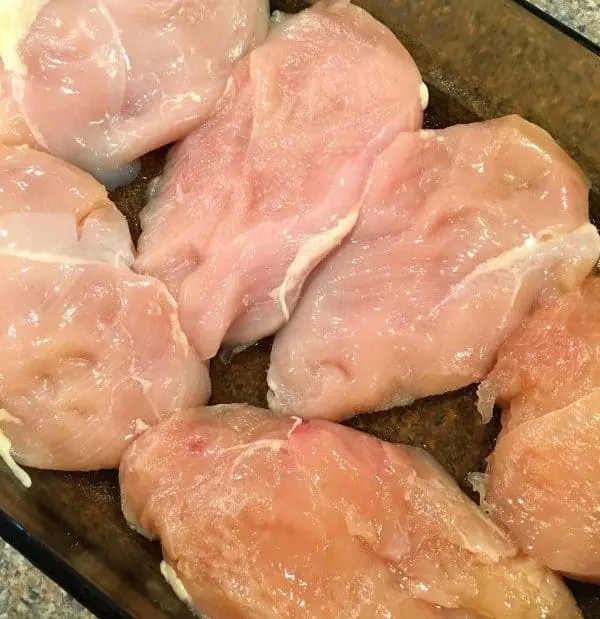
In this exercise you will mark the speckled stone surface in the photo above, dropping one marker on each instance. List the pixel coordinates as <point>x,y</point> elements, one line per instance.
<point>24,591</point>
<point>581,15</point>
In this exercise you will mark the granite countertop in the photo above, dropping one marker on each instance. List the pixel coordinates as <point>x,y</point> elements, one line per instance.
<point>581,15</point>
<point>24,591</point>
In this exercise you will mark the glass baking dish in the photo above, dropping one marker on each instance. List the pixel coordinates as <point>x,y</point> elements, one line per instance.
<point>480,60</point>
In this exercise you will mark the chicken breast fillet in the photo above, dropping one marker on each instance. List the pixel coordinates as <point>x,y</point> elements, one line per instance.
<point>102,82</point>
<point>543,478</point>
<point>255,198</point>
<point>261,516</point>
<point>91,352</point>
<point>461,232</point>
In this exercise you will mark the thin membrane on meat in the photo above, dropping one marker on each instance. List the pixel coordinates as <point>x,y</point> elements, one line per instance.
<point>462,231</point>
<point>255,198</point>
<point>264,516</point>
<point>543,477</point>
<point>101,82</point>
<point>13,128</point>
<point>92,353</point>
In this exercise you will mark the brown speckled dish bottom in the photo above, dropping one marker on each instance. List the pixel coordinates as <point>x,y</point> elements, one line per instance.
<point>480,59</point>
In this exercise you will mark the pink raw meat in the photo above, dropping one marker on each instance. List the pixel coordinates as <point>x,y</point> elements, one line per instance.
<point>462,231</point>
<point>543,478</point>
<point>101,82</point>
<point>262,517</point>
<point>91,352</point>
<point>255,198</point>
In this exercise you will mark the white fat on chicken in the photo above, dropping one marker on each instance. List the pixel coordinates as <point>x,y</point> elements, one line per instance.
<point>5,454</point>
<point>170,575</point>
<point>6,447</point>
<point>137,427</point>
<point>478,482</point>
<point>278,17</point>
<point>424,96</point>
<point>310,254</point>
<point>16,18</point>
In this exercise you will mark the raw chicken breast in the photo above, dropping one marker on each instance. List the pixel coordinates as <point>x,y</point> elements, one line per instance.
<point>543,478</point>
<point>101,82</point>
<point>261,516</point>
<point>91,352</point>
<point>462,231</point>
<point>254,199</point>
